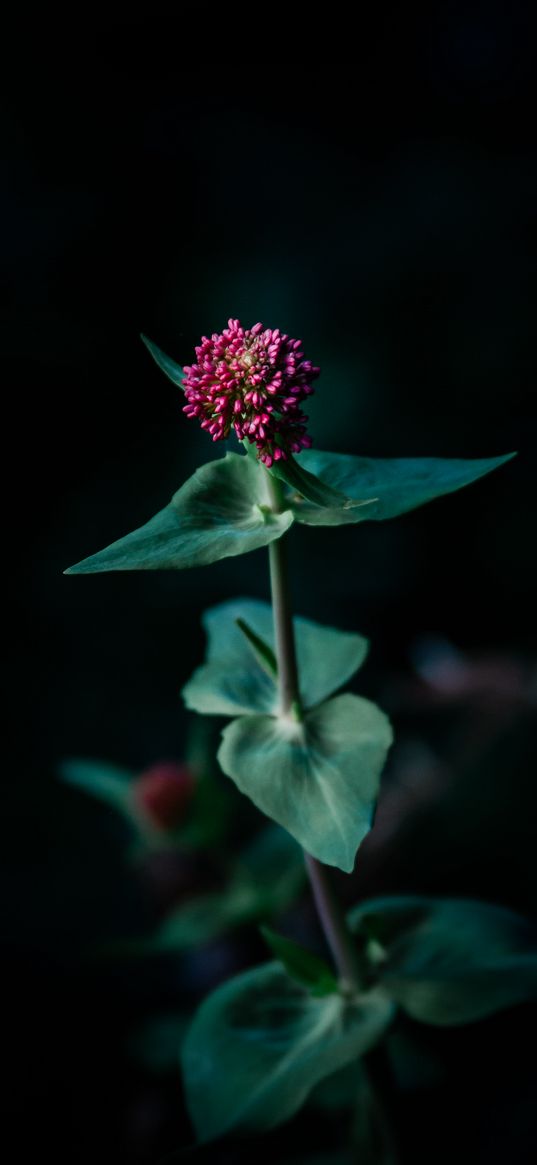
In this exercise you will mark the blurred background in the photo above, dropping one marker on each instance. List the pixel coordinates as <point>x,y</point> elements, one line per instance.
<point>384,211</point>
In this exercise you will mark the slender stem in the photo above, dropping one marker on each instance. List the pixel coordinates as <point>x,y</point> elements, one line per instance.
<point>329,909</point>
<point>333,923</point>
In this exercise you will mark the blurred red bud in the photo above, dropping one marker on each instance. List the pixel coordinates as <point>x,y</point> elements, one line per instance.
<point>163,793</point>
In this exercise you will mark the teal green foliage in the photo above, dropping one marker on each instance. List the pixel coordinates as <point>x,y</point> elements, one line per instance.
<point>313,488</point>
<point>448,961</point>
<point>233,680</point>
<point>307,968</point>
<point>172,370</point>
<point>260,1043</point>
<point>262,882</point>
<point>219,512</point>
<point>319,778</point>
<point>205,823</point>
<point>102,780</point>
<point>222,510</point>
<point>396,484</point>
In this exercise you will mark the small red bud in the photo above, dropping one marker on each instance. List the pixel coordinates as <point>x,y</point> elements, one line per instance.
<point>163,793</point>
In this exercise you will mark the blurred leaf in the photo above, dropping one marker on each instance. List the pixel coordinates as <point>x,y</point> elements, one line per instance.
<point>413,1064</point>
<point>398,484</point>
<point>219,512</point>
<point>204,918</point>
<point>209,815</point>
<point>232,680</point>
<point>307,968</point>
<point>371,1134</point>
<point>171,369</point>
<point>266,879</point>
<point>448,961</point>
<point>157,1042</point>
<point>318,778</point>
<point>260,1043</point>
<point>102,780</point>
<point>275,863</point>
<point>339,1090</point>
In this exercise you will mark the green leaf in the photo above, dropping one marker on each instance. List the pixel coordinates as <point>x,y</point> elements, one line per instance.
<point>263,653</point>
<point>307,968</point>
<point>318,778</point>
<point>274,862</point>
<point>233,680</point>
<point>398,484</point>
<point>266,880</point>
<point>102,780</point>
<point>448,961</point>
<point>205,918</point>
<point>260,1043</point>
<point>313,488</point>
<point>155,1043</point>
<point>168,366</point>
<point>219,512</point>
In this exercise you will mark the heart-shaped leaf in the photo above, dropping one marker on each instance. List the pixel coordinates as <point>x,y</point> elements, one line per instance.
<point>260,1043</point>
<point>448,961</point>
<point>318,778</point>
<point>398,484</point>
<point>233,679</point>
<point>168,366</point>
<point>219,512</point>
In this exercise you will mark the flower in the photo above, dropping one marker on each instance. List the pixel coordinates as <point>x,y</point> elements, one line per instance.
<point>252,380</point>
<point>163,793</point>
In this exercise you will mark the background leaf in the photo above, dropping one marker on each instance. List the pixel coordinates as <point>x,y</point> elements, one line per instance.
<point>320,778</point>
<point>234,681</point>
<point>398,484</point>
<point>449,961</point>
<point>106,782</point>
<point>260,1043</point>
<point>168,366</point>
<point>219,512</point>
<point>265,880</point>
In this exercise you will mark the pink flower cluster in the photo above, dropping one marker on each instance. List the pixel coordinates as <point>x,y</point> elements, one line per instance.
<point>254,380</point>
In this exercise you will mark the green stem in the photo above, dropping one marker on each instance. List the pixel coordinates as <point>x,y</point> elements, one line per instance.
<point>329,909</point>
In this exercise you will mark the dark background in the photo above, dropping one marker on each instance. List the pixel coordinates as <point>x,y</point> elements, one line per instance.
<point>383,210</point>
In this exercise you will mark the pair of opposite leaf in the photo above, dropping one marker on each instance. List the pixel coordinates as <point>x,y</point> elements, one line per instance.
<point>318,777</point>
<point>223,510</point>
<point>261,1042</point>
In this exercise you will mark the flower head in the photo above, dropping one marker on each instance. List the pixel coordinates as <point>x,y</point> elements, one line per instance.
<point>252,380</point>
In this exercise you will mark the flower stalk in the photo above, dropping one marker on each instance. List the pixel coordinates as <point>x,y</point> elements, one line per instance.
<point>330,912</point>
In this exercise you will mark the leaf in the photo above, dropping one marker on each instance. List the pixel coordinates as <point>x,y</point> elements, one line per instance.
<point>260,1043</point>
<point>102,780</point>
<point>155,1043</point>
<point>307,968</point>
<point>203,919</point>
<point>448,961</point>
<point>266,880</point>
<point>219,512</point>
<point>397,484</point>
<point>232,680</point>
<point>312,487</point>
<point>168,366</point>
<point>275,863</point>
<point>318,778</point>
<point>263,653</point>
